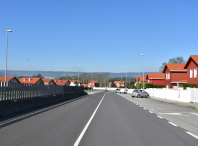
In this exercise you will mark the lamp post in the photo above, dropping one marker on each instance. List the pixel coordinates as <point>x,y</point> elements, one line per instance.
<point>143,69</point>
<point>6,53</point>
<point>78,74</point>
<point>126,79</point>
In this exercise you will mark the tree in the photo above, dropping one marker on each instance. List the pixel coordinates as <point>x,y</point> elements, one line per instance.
<point>113,84</point>
<point>38,76</point>
<point>178,60</point>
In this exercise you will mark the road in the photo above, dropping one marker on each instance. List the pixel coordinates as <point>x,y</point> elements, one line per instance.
<point>100,119</point>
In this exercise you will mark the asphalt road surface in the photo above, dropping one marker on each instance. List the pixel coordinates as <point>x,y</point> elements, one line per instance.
<point>100,119</point>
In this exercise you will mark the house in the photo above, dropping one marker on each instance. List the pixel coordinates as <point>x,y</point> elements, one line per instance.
<point>140,79</point>
<point>192,67</point>
<point>31,80</point>
<point>156,78</point>
<point>136,81</point>
<point>93,83</point>
<point>62,82</point>
<point>175,75</point>
<point>85,85</point>
<point>48,82</point>
<point>75,83</point>
<point>119,84</point>
<point>9,80</point>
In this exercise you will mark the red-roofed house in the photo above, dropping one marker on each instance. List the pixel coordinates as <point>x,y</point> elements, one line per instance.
<point>119,84</point>
<point>48,82</point>
<point>175,75</point>
<point>62,82</point>
<point>192,67</point>
<point>75,83</point>
<point>156,78</point>
<point>93,83</point>
<point>9,80</point>
<point>140,79</point>
<point>31,80</point>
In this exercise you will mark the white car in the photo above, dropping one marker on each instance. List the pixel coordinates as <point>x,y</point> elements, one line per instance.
<point>123,91</point>
<point>117,91</point>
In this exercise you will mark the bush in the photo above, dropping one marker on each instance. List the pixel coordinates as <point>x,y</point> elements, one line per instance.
<point>189,85</point>
<point>146,85</point>
<point>159,86</point>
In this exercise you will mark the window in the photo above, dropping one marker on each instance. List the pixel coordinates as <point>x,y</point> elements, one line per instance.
<point>191,73</point>
<point>167,76</point>
<point>195,72</point>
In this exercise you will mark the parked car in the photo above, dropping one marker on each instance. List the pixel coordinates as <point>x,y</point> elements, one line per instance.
<point>117,90</point>
<point>139,93</point>
<point>123,91</point>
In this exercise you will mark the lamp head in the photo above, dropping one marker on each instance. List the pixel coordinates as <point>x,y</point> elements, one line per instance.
<point>142,54</point>
<point>8,30</point>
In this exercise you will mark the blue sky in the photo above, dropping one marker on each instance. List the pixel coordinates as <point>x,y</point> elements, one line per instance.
<point>98,35</point>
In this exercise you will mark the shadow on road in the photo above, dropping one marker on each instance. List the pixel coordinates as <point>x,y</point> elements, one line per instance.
<point>11,119</point>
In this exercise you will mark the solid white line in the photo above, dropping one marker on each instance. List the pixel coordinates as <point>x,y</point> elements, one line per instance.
<point>160,117</point>
<point>87,125</point>
<point>150,112</point>
<point>172,123</point>
<point>195,136</point>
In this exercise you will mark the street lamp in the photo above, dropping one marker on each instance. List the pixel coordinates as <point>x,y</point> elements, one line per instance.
<point>143,69</point>
<point>126,79</point>
<point>6,53</point>
<point>78,74</point>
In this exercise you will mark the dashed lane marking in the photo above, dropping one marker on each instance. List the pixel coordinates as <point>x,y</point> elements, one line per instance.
<point>195,136</point>
<point>172,123</point>
<point>159,117</point>
<point>194,114</point>
<point>150,112</point>
<point>176,114</point>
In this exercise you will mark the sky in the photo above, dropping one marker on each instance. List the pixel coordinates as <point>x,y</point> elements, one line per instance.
<point>98,35</point>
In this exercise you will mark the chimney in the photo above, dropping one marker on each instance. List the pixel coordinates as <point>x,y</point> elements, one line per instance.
<point>23,79</point>
<point>29,79</point>
<point>59,80</point>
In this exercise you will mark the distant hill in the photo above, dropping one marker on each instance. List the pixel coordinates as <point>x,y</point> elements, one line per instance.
<point>54,74</point>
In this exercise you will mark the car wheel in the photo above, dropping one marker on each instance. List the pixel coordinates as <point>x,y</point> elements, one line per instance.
<point>138,96</point>
<point>147,96</point>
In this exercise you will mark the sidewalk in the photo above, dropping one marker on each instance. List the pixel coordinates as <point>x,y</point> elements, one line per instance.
<point>189,105</point>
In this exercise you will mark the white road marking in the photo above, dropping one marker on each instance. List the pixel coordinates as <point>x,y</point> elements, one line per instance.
<point>160,117</point>
<point>87,125</point>
<point>140,106</point>
<point>172,123</point>
<point>144,108</point>
<point>171,114</point>
<point>194,114</point>
<point>195,136</point>
<point>150,112</point>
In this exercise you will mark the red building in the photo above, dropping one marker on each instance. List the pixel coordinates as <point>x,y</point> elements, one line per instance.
<point>192,67</point>
<point>175,75</point>
<point>156,78</point>
<point>93,83</point>
<point>31,80</point>
<point>119,84</point>
<point>140,79</point>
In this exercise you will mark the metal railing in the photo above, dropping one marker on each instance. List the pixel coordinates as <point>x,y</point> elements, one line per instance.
<point>14,91</point>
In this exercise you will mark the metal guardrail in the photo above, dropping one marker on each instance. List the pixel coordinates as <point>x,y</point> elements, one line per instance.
<point>14,91</point>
